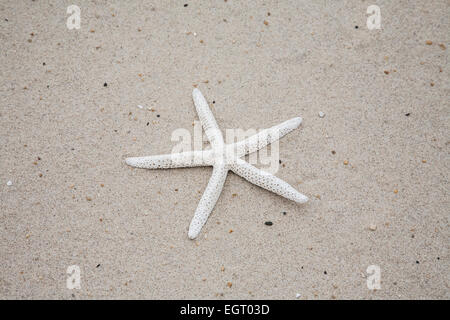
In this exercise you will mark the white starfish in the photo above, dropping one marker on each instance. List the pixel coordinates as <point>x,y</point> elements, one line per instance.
<point>224,157</point>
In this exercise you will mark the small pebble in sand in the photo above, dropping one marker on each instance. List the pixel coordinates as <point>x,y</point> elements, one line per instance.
<point>140,107</point>
<point>88,198</point>
<point>9,183</point>
<point>395,191</point>
<point>222,269</point>
<point>443,47</point>
<point>432,84</point>
<point>407,114</point>
<point>321,114</point>
<point>234,195</point>
<point>298,295</point>
<point>386,72</point>
<point>268,223</point>
<point>372,227</point>
<point>429,42</point>
<point>266,22</point>
<point>105,84</point>
<point>345,162</point>
<point>284,213</point>
<point>333,152</point>
<point>229,284</point>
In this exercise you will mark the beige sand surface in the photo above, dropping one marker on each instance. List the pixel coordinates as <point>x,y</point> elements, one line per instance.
<point>130,240</point>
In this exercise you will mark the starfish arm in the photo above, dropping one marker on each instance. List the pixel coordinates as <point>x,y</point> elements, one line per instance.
<point>173,160</point>
<point>267,181</point>
<point>207,120</point>
<point>208,200</point>
<point>263,138</point>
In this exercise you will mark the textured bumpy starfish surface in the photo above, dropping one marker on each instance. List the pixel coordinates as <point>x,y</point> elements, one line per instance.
<point>224,157</point>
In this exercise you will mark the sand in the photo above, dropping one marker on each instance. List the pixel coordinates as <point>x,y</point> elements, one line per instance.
<point>375,166</point>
